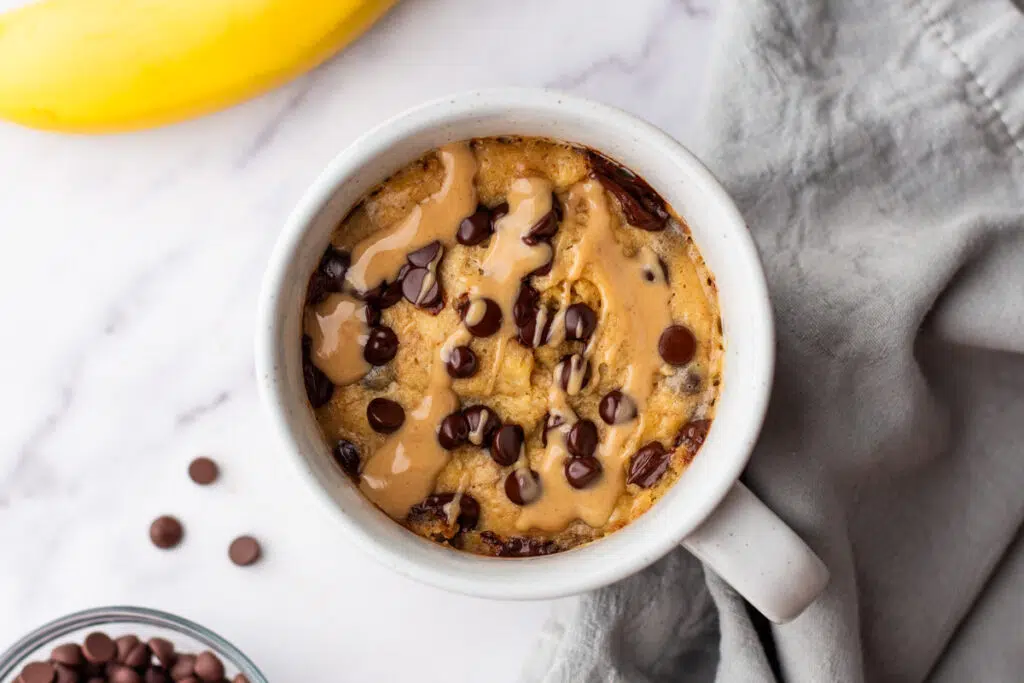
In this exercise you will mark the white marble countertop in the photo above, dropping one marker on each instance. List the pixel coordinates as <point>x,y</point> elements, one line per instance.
<point>129,269</point>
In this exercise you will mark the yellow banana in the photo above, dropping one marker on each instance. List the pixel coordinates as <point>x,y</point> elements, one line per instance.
<point>111,65</point>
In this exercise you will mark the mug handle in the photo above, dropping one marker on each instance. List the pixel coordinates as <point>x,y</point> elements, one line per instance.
<point>747,545</point>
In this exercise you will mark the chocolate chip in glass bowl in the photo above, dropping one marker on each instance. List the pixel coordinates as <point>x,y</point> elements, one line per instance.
<point>648,465</point>
<point>381,345</point>
<point>676,345</point>
<point>616,408</point>
<point>98,648</point>
<point>119,673</point>
<point>165,532</point>
<point>461,363</point>
<point>522,486</point>
<point>37,672</point>
<point>483,423</point>
<point>384,415</point>
<point>319,388</point>
<point>582,439</point>
<point>580,322</point>
<point>162,649</point>
<point>583,471</point>
<point>482,317</point>
<point>68,654</point>
<point>347,456</point>
<point>507,444</point>
<point>573,373</point>
<point>208,667</point>
<point>453,431</point>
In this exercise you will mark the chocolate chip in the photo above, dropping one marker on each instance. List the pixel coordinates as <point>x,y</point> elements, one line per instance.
<point>616,408</point>
<point>537,330</point>
<point>240,678</point>
<point>507,443</point>
<point>648,465</point>
<point>691,435</point>
<point>544,229</point>
<point>166,532</point>
<point>98,648</point>
<point>119,673</point>
<point>384,415</point>
<point>125,644</point>
<point>641,205</point>
<point>573,373</point>
<point>582,472</point>
<point>183,667</point>
<point>677,345</point>
<point>37,672</point>
<point>476,228</point>
<point>525,306</point>
<point>162,649</point>
<point>319,388</point>
<point>421,288</point>
<point>69,654</point>
<point>65,674</point>
<point>543,270</point>
<point>482,317</point>
<point>580,322</point>
<point>203,471</point>
<point>138,657</point>
<point>582,439</point>
<point>347,456</point>
<point>518,546</point>
<point>550,422</point>
<point>209,667</point>
<point>462,362</point>
<point>243,551</point>
<point>453,431</point>
<point>156,674</point>
<point>381,345</point>
<point>434,507</point>
<point>385,295</point>
<point>329,276</point>
<point>522,486</point>
<point>423,257</point>
<point>483,423</point>
<point>498,211</point>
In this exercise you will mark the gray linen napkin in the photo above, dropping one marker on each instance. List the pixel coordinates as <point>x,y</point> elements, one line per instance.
<point>876,148</point>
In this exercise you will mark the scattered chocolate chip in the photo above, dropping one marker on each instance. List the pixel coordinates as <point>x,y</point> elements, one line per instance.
<point>243,551</point>
<point>518,546</point>
<point>69,654</point>
<point>453,431</point>
<point>641,205</point>
<point>462,362</point>
<point>119,673</point>
<point>423,257</point>
<point>573,373</point>
<point>183,667</point>
<point>582,472</point>
<point>522,486</point>
<point>166,532</point>
<point>648,465</point>
<point>483,423</point>
<point>507,444</point>
<point>550,422</point>
<point>385,295</point>
<point>476,228</point>
<point>537,329</point>
<point>329,276</point>
<point>162,649</point>
<point>580,322</point>
<point>677,345</point>
<point>319,388</point>
<point>203,471</point>
<point>691,435</point>
<point>616,408</point>
<point>347,456</point>
<point>421,288</point>
<point>384,415</point>
<point>209,667</point>
<point>434,506</point>
<point>37,672</point>
<point>381,345</point>
<point>526,304</point>
<point>98,648</point>
<point>544,229</point>
<point>482,317</point>
<point>582,439</point>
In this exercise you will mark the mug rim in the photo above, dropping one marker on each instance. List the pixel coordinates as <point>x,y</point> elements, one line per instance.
<point>559,574</point>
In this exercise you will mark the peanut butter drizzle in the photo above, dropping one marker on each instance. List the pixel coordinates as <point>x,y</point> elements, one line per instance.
<point>338,329</point>
<point>640,311</point>
<point>379,256</point>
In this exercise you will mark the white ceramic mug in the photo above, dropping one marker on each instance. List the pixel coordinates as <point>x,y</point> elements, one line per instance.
<point>708,511</point>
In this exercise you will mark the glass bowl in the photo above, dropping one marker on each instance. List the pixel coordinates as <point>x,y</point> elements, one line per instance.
<point>118,621</point>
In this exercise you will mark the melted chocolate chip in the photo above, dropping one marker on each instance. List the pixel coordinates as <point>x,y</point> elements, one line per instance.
<point>582,472</point>
<point>420,287</point>
<point>529,336</point>
<point>421,258</point>
<point>462,362</point>
<point>507,443</point>
<point>550,422</point>
<point>543,270</point>
<point>319,388</point>
<point>381,345</point>
<point>483,423</point>
<point>453,431</point>
<point>691,435</point>
<point>522,486</point>
<point>482,317</point>
<point>476,228</point>
<point>329,277</point>
<point>386,295</point>
<point>544,229</point>
<point>498,211</point>
<point>526,304</point>
<point>384,415</point>
<point>580,322</point>
<point>582,439</point>
<point>433,507</point>
<point>573,373</point>
<point>616,408</point>
<point>648,465</point>
<point>347,456</point>
<point>641,205</point>
<point>518,546</point>
<point>677,345</point>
